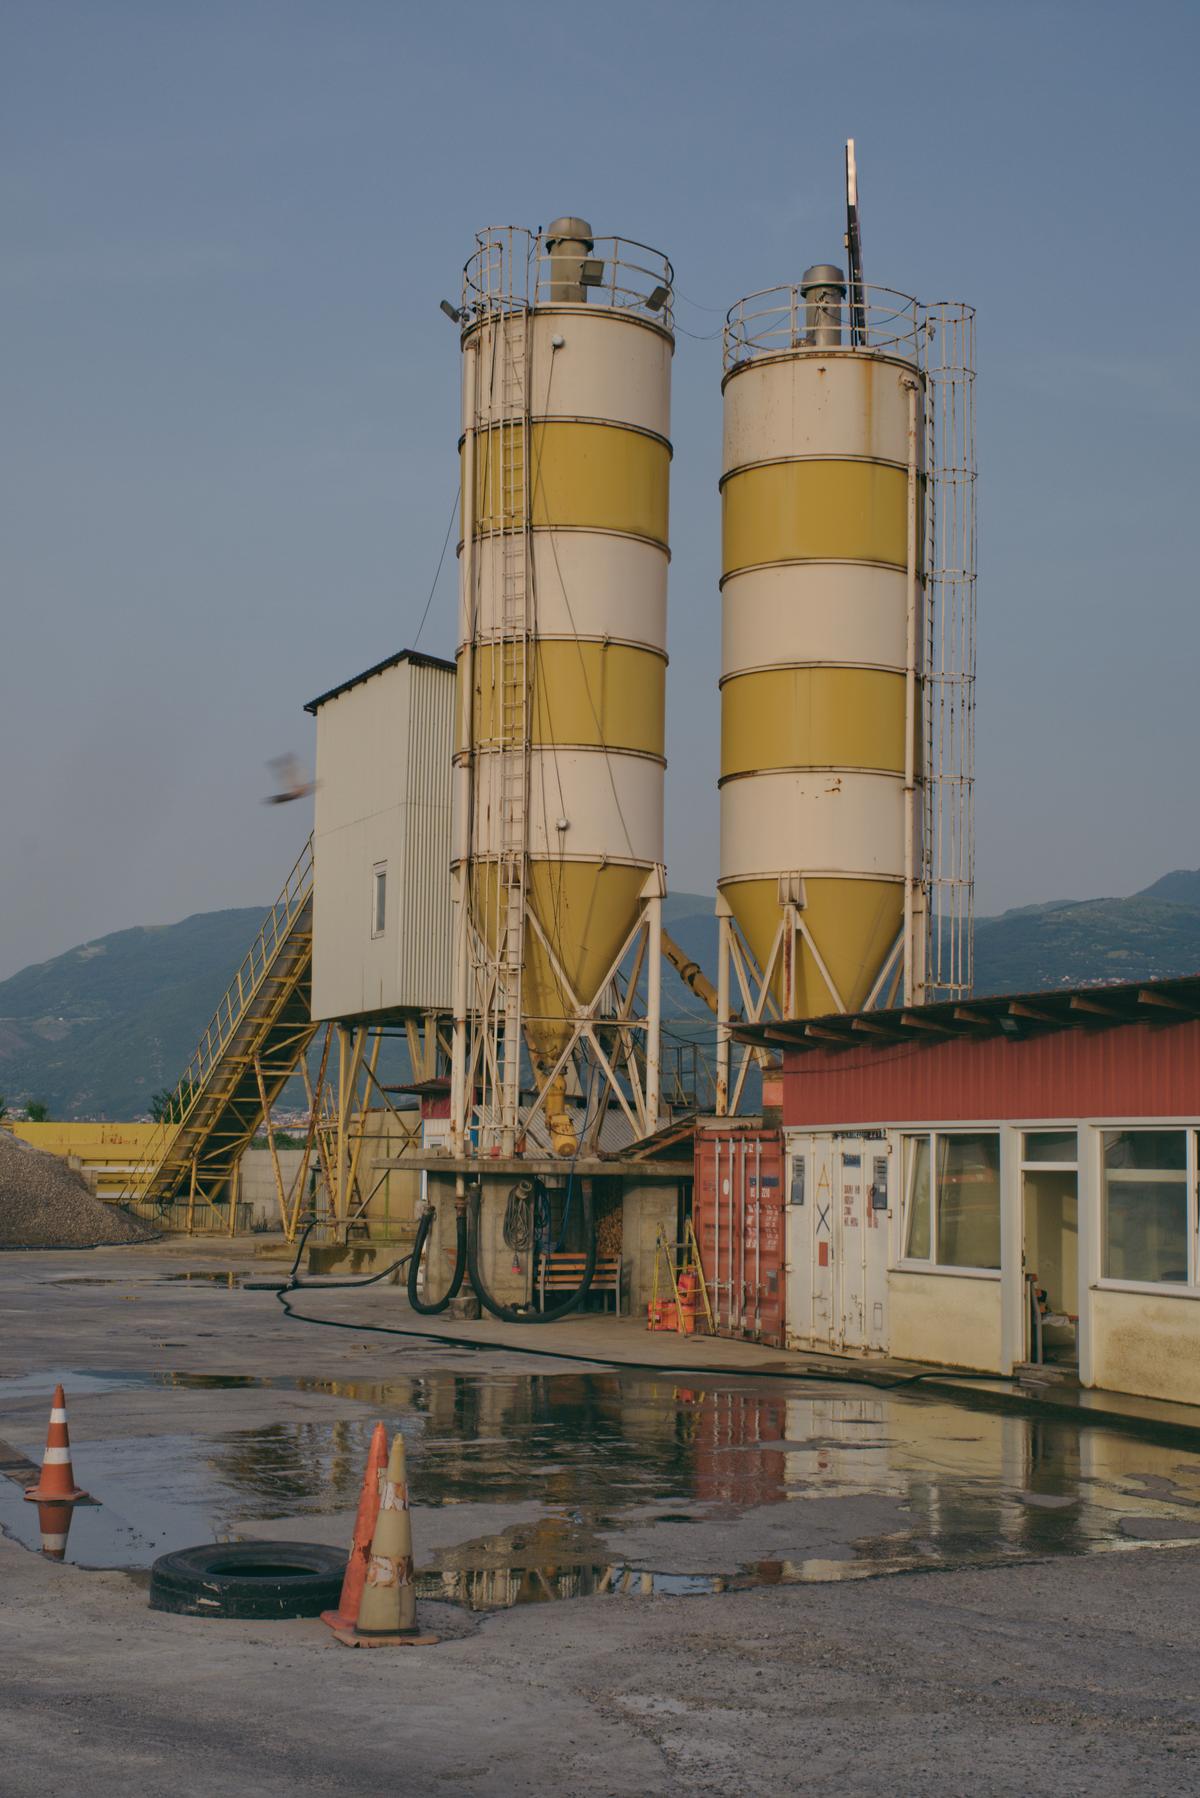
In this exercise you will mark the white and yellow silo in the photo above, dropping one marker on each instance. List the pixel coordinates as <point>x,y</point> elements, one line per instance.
<point>567,348</point>
<point>822,503</point>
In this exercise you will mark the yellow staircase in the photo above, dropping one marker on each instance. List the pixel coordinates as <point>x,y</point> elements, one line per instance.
<point>255,1042</point>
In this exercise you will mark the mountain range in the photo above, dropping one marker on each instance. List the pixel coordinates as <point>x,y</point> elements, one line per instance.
<point>94,1033</point>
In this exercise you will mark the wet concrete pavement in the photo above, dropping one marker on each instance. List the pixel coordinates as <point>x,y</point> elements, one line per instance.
<point>738,1519</point>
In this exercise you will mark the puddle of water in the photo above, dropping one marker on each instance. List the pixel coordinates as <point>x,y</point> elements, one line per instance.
<point>83,1280</point>
<point>227,1277</point>
<point>206,1276</point>
<point>710,1488</point>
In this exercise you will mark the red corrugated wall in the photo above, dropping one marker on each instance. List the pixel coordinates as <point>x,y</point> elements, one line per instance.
<point>1130,1070</point>
<point>738,1214</point>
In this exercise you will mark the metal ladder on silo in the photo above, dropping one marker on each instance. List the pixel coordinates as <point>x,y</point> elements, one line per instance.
<point>515,459</point>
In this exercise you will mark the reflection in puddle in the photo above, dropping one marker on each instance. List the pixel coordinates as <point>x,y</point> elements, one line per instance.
<point>633,1478</point>
<point>498,1588</point>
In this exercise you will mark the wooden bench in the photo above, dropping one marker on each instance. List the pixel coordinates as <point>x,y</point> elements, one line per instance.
<point>561,1273</point>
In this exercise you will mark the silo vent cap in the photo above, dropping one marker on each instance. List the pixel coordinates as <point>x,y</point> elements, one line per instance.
<point>569,230</point>
<point>822,274</point>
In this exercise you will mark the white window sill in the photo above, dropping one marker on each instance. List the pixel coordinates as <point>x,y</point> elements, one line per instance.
<point>1158,1289</point>
<point>953,1273</point>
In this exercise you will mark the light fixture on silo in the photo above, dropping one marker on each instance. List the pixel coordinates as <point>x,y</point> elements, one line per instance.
<point>452,312</point>
<point>656,299</point>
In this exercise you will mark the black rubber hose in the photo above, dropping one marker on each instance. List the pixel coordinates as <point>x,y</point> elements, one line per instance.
<point>507,1313</point>
<point>294,1284</point>
<point>414,1266</point>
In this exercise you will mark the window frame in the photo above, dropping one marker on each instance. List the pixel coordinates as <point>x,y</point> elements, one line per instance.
<point>931,1264</point>
<point>1189,1288</point>
<point>379,872</point>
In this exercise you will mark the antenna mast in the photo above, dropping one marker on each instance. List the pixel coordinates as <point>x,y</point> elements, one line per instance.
<point>853,241</point>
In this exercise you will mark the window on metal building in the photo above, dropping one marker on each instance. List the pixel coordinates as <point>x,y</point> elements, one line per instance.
<point>378,898</point>
<point>952,1198</point>
<point>1148,1206</point>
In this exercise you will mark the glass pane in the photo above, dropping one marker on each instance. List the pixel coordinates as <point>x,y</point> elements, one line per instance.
<point>380,899</point>
<point>1050,1145</point>
<point>968,1200</point>
<point>916,1238</point>
<point>1145,1205</point>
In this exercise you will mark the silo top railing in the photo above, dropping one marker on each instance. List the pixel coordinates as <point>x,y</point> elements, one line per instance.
<point>778,319</point>
<point>511,270</point>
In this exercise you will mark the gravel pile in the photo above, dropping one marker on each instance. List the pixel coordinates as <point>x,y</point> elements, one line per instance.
<point>44,1204</point>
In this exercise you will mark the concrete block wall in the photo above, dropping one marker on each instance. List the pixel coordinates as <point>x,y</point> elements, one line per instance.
<point>648,1207</point>
<point>258,1184</point>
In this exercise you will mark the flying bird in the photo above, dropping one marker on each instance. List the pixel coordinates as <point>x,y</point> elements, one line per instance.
<point>290,780</point>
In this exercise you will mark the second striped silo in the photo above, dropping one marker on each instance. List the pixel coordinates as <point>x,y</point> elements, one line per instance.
<point>821,599</point>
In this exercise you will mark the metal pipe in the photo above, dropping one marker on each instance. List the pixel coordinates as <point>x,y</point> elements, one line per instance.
<point>691,973</point>
<point>757,1236</point>
<point>910,696</point>
<point>730,1262</point>
<point>741,1306</point>
<point>463,774</point>
<point>717,1226</point>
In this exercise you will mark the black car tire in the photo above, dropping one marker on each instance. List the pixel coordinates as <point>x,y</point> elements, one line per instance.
<point>257,1580</point>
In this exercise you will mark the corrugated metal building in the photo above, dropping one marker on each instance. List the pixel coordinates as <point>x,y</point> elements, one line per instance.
<point>381,841</point>
<point>1005,1182</point>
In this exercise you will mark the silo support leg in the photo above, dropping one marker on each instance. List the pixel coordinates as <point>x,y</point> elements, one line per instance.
<point>653,1013</point>
<point>724,952</point>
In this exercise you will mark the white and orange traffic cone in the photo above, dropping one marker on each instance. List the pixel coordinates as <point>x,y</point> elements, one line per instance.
<point>387,1613</point>
<point>346,1615</point>
<point>54,1522</point>
<point>58,1478</point>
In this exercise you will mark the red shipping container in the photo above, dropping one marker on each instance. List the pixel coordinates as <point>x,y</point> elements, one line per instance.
<point>738,1205</point>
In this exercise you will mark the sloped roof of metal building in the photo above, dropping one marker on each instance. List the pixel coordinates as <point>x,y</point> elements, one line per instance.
<point>414,656</point>
<point>1008,1014</point>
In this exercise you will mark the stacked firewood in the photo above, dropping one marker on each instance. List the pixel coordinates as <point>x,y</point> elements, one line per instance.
<point>608,1234</point>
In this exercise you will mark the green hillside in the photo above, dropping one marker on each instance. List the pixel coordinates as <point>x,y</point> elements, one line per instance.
<point>1144,937</point>
<point>94,1032</point>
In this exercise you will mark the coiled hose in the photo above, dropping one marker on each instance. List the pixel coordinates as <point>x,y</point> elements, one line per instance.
<point>460,1264</point>
<point>507,1313</point>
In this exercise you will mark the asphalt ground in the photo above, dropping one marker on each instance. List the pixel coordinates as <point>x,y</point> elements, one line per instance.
<point>794,1587</point>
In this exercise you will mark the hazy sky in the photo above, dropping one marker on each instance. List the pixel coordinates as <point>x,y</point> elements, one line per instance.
<point>229,402</point>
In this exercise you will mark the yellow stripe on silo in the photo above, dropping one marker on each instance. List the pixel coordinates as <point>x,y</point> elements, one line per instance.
<point>582,477</point>
<point>815,510</point>
<point>589,695</point>
<point>812,718</point>
<point>853,923</point>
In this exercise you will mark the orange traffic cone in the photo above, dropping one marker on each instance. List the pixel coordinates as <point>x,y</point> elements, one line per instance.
<point>387,1613</point>
<point>58,1478</point>
<point>346,1615</point>
<point>54,1521</point>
